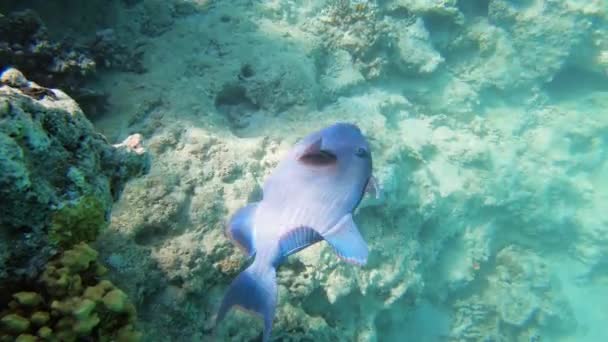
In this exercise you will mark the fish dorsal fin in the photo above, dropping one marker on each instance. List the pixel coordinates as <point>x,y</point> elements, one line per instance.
<point>346,240</point>
<point>240,229</point>
<point>297,239</point>
<point>314,155</point>
<point>314,147</point>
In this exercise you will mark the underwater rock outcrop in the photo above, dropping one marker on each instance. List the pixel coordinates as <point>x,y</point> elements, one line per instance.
<point>59,176</point>
<point>25,44</point>
<point>520,295</point>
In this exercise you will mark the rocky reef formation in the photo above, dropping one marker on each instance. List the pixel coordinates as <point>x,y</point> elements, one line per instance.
<point>59,177</point>
<point>520,295</point>
<point>26,44</point>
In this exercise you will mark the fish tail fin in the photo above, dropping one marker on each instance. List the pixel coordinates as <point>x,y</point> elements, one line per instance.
<point>254,290</point>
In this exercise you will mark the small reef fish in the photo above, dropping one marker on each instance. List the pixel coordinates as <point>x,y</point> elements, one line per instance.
<point>309,197</point>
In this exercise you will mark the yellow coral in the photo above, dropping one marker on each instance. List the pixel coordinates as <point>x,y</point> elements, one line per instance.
<point>72,304</point>
<point>45,332</point>
<point>79,257</point>
<point>115,300</point>
<point>96,292</point>
<point>127,334</point>
<point>40,317</point>
<point>27,298</point>
<point>84,308</point>
<point>15,323</point>
<point>26,338</point>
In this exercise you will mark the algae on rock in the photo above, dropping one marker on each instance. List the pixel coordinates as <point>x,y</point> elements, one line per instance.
<point>80,221</point>
<point>59,176</point>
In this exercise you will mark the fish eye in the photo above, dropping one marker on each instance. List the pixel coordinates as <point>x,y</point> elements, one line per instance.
<point>361,152</point>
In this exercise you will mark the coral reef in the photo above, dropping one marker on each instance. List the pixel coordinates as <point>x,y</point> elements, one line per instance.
<point>27,45</point>
<point>472,141</point>
<point>109,52</point>
<point>75,222</point>
<point>520,295</point>
<point>352,27</point>
<point>490,189</point>
<point>60,177</point>
<point>69,302</point>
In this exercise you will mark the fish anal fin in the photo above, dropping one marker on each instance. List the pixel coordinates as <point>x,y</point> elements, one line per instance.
<point>347,241</point>
<point>240,229</point>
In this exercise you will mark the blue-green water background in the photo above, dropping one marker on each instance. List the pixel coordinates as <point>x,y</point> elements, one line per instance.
<point>489,128</point>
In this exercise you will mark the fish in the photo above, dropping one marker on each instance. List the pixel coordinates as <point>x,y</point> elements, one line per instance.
<point>309,197</point>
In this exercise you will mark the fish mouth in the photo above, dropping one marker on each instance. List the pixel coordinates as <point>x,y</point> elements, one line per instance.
<point>318,158</point>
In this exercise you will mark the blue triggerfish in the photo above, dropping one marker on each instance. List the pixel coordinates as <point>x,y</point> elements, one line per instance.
<point>309,197</point>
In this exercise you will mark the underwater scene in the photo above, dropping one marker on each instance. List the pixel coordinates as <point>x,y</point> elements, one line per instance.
<point>314,170</point>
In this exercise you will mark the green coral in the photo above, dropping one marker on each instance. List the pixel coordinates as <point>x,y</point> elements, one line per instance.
<point>40,318</point>
<point>72,304</point>
<point>115,300</point>
<point>27,298</point>
<point>79,258</point>
<point>45,332</point>
<point>26,338</point>
<point>15,323</point>
<point>79,221</point>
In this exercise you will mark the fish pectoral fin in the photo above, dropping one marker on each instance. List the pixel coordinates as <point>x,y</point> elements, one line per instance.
<point>240,229</point>
<point>348,243</point>
<point>373,188</point>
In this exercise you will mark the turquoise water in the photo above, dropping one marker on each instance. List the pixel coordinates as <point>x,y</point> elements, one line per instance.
<point>488,125</point>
